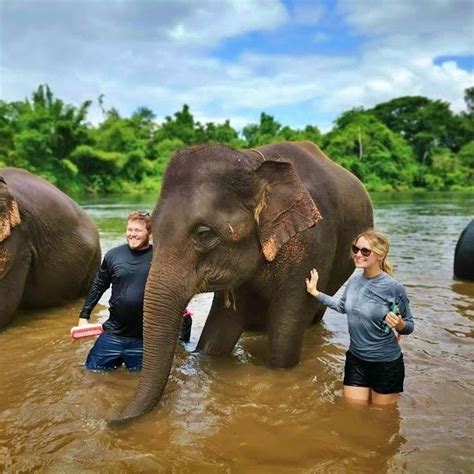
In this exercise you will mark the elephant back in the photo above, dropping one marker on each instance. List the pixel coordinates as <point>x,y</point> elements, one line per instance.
<point>464,254</point>
<point>62,238</point>
<point>44,206</point>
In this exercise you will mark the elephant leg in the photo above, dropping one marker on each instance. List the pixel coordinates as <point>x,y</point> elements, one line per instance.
<point>11,290</point>
<point>287,324</point>
<point>222,329</point>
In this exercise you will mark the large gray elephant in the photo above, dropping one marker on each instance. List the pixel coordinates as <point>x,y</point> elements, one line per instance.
<point>49,247</point>
<point>248,225</point>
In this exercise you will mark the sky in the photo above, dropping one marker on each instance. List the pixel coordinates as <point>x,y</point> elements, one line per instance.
<point>303,62</point>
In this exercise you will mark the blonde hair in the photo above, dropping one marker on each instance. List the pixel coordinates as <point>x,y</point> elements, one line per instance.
<point>380,245</point>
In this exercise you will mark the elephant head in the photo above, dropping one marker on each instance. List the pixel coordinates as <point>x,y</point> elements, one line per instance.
<point>11,245</point>
<point>221,216</point>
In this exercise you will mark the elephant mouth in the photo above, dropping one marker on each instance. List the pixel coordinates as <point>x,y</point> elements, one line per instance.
<point>225,287</point>
<point>209,287</point>
<point>229,282</point>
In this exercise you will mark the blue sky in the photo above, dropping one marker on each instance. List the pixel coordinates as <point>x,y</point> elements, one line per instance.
<point>304,62</point>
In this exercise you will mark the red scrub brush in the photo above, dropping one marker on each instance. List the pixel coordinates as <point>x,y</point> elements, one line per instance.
<point>87,330</point>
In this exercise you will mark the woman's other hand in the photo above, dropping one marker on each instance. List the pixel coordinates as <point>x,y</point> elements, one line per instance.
<point>394,321</point>
<point>312,283</point>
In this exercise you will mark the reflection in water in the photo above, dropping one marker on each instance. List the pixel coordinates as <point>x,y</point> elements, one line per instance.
<point>233,414</point>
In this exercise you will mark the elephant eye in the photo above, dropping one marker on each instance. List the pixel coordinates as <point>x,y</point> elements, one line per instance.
<point>206,237</point>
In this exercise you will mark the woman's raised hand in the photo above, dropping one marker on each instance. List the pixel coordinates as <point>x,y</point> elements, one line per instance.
<point>312,283</point>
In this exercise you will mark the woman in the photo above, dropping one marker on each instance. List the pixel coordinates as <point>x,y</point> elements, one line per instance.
<point>377,311</point>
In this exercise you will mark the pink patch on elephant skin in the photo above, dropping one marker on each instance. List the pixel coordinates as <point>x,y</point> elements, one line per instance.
<point>237,232</point>
<point>9,219</point>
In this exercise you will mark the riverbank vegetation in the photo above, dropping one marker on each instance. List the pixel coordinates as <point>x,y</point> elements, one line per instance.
<point>404,144</point>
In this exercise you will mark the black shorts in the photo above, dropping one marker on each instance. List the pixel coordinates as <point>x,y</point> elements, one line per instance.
<point>381,377</point>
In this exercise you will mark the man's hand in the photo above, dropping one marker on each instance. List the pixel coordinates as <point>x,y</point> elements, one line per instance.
<point>83,322</point>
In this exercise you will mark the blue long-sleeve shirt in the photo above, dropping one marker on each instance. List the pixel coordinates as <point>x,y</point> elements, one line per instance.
<point>126,270</point>
<point>366,301</point>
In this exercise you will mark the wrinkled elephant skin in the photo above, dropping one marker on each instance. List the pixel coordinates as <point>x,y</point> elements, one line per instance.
<point>49,247</point>
<point>248,225</point>
<point>464,254</point>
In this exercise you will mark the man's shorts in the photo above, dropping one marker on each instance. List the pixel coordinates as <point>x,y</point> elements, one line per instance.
<point>381,377</point>
<point>110,352</point>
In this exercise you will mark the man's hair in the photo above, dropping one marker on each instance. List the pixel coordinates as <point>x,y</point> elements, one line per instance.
<point>142,216</point>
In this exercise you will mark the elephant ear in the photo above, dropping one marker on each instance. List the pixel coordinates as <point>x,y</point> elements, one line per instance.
<point>9,213</point>
<point>285,207</point>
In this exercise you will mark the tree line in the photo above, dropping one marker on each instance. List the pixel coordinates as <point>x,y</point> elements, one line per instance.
<point>406,143</point>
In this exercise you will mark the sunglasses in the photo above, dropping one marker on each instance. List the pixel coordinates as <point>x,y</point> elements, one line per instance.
<point>363,251</point>
<point>143,213</point>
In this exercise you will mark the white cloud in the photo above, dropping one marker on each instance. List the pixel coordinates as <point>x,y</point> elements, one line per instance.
<point>307,12</point>
<point>216,20</point>
<point>320,37</point>
<point>167,53</point>
<point>440,26</point>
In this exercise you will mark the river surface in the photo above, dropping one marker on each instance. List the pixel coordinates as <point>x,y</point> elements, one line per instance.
<point>235,415</point>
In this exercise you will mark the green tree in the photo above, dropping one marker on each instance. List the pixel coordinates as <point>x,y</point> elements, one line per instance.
<point>382,159</point>
<point>181,127</point>
<point>446,172</point>
<point>45,132</point>
<point>466,160</point>
<point>269,131</point>
<point>221,133</point>
<point>310,133</point>
<point>6,132</point>
<point>406,142</point>
<point>466,119</point>
<point>469,99</point>
<point>120,151</point>
<point>144,126</point>
<point>265,132</point>
<point>427,125</point>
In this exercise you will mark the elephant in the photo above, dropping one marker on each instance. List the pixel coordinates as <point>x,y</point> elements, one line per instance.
<point>49,246</point>
<point>464,254</point>
<point>247,225</point>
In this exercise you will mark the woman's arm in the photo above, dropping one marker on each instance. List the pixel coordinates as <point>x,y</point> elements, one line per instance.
<point>405,311</point>
<point>402,322</point>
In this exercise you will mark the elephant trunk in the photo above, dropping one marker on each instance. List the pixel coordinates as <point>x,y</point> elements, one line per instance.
<point>165,302</point>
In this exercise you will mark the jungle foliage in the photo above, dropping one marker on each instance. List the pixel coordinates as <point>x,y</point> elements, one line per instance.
<point>406,143</point>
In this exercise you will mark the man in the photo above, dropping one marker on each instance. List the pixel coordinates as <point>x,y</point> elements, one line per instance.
<point>125,268</point>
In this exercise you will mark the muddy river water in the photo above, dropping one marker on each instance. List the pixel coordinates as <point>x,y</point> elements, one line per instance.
<point>235,415</point>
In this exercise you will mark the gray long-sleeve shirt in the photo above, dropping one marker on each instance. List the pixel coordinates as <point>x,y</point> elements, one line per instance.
<point>366,301</point>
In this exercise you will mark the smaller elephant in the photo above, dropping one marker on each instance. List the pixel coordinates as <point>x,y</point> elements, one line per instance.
<point>464,254</point>
<point>49,247</point>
